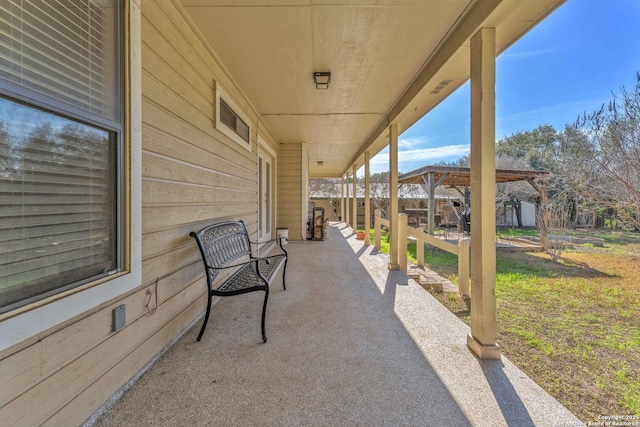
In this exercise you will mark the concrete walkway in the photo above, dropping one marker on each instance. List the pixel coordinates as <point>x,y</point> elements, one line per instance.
<point>350,344</point>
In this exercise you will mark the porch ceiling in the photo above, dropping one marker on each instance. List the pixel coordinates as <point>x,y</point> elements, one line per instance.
<point>391,61</point>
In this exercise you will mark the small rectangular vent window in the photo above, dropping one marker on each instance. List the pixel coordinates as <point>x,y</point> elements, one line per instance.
<point>235,123</point>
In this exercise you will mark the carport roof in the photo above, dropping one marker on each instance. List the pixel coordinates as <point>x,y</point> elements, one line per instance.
<point>461,177</point>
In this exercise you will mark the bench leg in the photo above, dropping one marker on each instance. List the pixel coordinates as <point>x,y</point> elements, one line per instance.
<point>284,274</point>
<point>264,312</point>
<point>206,317</point>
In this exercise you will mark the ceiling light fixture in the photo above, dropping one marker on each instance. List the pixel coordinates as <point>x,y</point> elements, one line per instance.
<point>322,79</point>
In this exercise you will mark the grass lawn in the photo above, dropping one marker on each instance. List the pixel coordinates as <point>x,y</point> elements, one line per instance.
<point>573,326</point>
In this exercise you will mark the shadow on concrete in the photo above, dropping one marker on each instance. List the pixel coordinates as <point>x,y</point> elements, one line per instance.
<point>512,407</point>
<point>347,346</point>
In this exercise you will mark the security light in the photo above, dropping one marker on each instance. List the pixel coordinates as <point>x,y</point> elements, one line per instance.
<point>322,80</point>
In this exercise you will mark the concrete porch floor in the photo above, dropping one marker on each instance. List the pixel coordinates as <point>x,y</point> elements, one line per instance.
<point>350,344</point>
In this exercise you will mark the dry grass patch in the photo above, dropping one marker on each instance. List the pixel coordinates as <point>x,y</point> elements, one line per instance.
<point>573,326</point>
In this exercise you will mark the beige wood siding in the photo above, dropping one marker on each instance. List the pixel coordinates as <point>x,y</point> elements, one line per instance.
<point>290,190</point>
<point>192,175</point>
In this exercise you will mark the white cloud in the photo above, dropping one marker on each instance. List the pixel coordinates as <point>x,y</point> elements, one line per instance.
<point>409,143</point>
<point>527,53</point>
<point>420,155</point>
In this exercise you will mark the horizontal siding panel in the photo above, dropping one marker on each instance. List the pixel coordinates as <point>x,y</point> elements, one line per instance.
<point>166,193</point>
<point>183,278</point>
<point>199,150</point>
<point>78,410</point>
<point>290,186</point>
<point>159,29</point>
<point>65,384</point>
<point>291,167</point>
<point>180,77</point>
<point>169,262</point>
<point>213,141</point>
<point>159,242</point>
<point>67,344</point>
<point>20,371</point>
<point>160,217</point>
<point>170,170</point>
<point>159,93</point>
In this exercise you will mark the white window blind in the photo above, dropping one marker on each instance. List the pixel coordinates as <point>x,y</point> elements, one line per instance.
<point>59,163</point>
<point>63,50</point>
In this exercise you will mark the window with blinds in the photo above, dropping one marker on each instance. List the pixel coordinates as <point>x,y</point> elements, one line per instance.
<point>233,121</point>
<point>60,146</point>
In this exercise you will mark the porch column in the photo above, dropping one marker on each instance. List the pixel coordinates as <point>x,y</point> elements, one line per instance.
<point>346,202</point>
<point>432,203</point>
<point>393,197</point>
<point>367,201</point>
<point>482,340</point>
<point>355,200</point>
<point>342,218</point>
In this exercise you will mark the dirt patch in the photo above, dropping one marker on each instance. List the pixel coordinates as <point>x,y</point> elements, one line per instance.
<point>573,325</point>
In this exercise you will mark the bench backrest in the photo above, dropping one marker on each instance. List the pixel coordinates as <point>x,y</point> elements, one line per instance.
<point>221,244</point>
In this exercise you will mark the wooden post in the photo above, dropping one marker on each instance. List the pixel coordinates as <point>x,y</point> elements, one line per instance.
<point>420,252</point>
<point>367,200</point>
<point>393,197</point>
<point>463,266</point>
<point>342,217</point>
<point>402,241</point>
<point>346,203</point>
<point>377,229</point>
<point>432,203</point>
<point>482,340</point>
<point>355,199</point>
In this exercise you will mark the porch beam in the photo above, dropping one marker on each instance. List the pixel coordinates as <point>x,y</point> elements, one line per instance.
<point>482,340</point>
<point>367,199</point>
<point>393,197</point>
<point>472,20</point>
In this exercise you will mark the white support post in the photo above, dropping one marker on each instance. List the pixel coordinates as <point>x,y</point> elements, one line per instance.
<point>355,199</point>
<point>482,340</point>
<point>367,200</point>
<point>346,204</point>
<point>393,197</point>
<point>402,241</point>
<point>463,266</point>
<point>377,229</point>
<point>432,203</point>
<point>342,218</point>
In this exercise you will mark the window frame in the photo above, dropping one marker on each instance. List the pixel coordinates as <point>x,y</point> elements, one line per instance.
<point>31,320</point>
<point>266,211</point>
<point>221,95</point>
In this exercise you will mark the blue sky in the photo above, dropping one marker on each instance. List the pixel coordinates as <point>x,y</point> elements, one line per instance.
<point>570,63</point>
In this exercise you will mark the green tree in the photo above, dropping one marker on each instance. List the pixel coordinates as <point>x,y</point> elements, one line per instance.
<point>538,147</point>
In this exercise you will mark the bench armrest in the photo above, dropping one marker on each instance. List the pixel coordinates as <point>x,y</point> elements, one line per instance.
<point>278,239</point>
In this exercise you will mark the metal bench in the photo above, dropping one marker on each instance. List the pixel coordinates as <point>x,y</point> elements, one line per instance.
<point>231,268</point>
